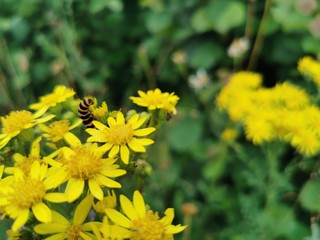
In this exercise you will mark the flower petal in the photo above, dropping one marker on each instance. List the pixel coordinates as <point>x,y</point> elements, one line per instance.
<point>144,131</point>
<point>114,151</point>
<point>139,203</point>
<point>82,210</point>
<point>135,145</point>
<point>55,197</point>
<point>48,228</point>
<point>118,218</point>
<point>72,139</point>
<point>74,189</point>
<point>124,154</point>
<point>20,220</point>
<point>128,208</point>
<point>95,189</point>
<point>42,212</point>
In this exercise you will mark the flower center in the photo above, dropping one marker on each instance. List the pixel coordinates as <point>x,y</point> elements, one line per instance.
<point>25,165</point>
<point>149,228</point>
<point>16,121</point>
<point>86,162</point>
<point>58,129</point>
<point>27,192</point>
<point>118,134</point>
<point>73,233</point>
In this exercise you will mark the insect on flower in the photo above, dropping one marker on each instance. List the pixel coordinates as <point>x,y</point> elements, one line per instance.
<point>85,113</point>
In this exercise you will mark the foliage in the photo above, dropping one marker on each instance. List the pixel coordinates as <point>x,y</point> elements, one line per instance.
<point>239,187</point>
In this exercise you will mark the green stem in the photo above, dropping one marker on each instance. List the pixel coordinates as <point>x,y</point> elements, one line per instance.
<point>260,36</point>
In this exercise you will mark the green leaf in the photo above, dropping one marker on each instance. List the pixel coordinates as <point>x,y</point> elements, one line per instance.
<point>205,54</point>
<point>186,134</point>
<point>311,45</point>
<point>158,22</point>
<point>200,21</point>
<point>310,195</point>
<point>225,15</point>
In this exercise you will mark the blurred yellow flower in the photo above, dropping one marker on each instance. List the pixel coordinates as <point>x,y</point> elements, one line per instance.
<point>155,99</point>
<point>229,134</point>
<point>60,94</point>
<point>135,217</point>
<point>17,123</point>
<point>310,68</point>
<point>120,136</point>
<point>61,228</point>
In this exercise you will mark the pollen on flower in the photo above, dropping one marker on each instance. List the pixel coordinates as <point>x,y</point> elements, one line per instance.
<point>25,165</point>
<point>73,233</point>
<point>58,129</point>
<point>27,192</point>
<point>85,163</point>
<point>16,121</point>
<point>149,228</point>
<point>118,134</point>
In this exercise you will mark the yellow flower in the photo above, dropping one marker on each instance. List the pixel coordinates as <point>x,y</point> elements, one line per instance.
<point>144,224</point>
<point>24,163</point>
<point>61,228</point>
<point>60,94</point>
<point>17,123</point>
<point>120,135</point>
<point>110,232</point>
<point>84,164</point>
<point>310,68</point>
<point>59,130</point>
<point>13,235</point>
<point>306,142</point>
<point>100,112</point>
<point>20,194</point>
<point>259,129</point>
<point>229,134</point>
<point>155,99</point>
<point>109,201</point>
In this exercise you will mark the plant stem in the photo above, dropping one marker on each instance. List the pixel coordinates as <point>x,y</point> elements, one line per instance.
<point>260,36</point>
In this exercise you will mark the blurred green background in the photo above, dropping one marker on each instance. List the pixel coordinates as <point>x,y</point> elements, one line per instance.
<point>112,48</point>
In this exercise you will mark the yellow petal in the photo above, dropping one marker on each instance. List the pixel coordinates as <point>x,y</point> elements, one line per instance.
<point>58,236</point>
<point>35,148</point>
<point>49,228</point>
<point>114,151</point>
<point>35,170</point>
<point>45,119</point>
<point>144,131</point>
<point>128,208</point>
<point>133,119</point>
<point>145,141</point>
<point>98,125</point>
<point>113,172</point>
<point>124,154</point>
<point>82,210</point>
<point>58,218</point>
<point>171,229</point>
<point>55,197</point>
<point>72,139</point>
<point>139,123</point>
<point>95,189</point>
<point>108,182</point>
<point>74,189</point>
<point>118,218</point>
<point>136,146</point>
<point>42,212</point>
<point>139,204</point>
<point>111,121</point>
<point>120,118</point>
<point>20,220</point>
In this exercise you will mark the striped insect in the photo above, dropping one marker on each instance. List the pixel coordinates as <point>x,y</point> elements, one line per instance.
<point>85,113</point>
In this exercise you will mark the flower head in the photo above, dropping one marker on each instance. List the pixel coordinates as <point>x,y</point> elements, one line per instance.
<point>60,94</point>
<point>84,164</point>
<point>20,194</point>
<point>155,99</point>
<point>109,201</point>
<point>120,135</point>
<point>310,68</point>
<point>144,224</point>
<point>61,228</point>
<point>17,123</point>
<point>59,130</point>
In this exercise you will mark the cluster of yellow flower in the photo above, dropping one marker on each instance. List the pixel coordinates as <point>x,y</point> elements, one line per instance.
<point>284,112</point>
<point>60,169</point>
